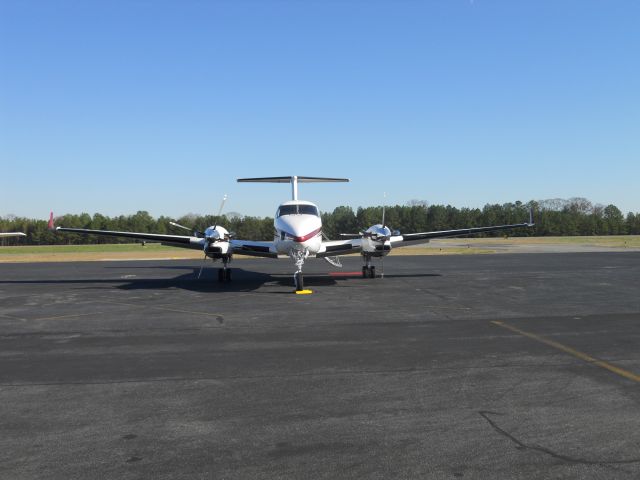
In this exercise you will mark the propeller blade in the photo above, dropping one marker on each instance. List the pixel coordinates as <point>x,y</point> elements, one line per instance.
<point>384,207</point>
<point>224,199</point>
<point>179,226</point>
<point>196,232</point>
<point>205,250</point>
<point>202,266</point>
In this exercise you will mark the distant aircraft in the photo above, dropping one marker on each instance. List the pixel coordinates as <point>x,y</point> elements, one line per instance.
<point>12,234</point>
<point>298,235</point>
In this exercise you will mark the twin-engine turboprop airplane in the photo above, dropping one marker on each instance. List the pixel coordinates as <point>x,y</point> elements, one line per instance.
<point>298,235</point>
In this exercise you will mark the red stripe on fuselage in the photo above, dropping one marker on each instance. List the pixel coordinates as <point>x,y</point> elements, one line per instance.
<point>307,236</point>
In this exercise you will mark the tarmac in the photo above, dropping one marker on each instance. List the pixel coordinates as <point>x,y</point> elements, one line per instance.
<point>476,366</point>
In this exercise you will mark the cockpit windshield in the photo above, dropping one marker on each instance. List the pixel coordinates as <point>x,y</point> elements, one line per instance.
<point>297,209</point>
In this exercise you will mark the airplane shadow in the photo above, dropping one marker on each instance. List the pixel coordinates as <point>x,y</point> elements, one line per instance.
<point>243,280</point>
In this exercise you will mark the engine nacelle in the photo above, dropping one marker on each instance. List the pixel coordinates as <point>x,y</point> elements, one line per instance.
<point>217,241</point>
<point>376,241</point>
<point>216,233</point>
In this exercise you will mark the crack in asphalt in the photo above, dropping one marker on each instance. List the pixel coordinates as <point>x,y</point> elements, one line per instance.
<point>539,448</point>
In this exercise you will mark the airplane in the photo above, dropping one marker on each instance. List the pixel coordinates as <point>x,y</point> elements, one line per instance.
<point>298,235</point>
<point>12,234</point>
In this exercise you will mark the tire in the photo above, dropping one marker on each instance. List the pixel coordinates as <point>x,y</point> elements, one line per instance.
<point>228,275</point>
<point>299,280</point>
<point>365,272</point>
<point>221,275</point>
<point>372,272</point>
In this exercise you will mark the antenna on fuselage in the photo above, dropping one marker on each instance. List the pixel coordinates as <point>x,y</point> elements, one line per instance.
<point>293,180</point>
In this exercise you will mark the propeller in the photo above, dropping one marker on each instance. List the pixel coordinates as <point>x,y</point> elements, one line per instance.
<point>211,235</point>
<point>384,226</point>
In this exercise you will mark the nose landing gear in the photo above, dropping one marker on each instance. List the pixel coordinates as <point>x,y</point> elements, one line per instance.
<point>299,256</point>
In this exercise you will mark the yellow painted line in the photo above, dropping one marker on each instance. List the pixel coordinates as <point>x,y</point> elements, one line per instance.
<point>571,351</point>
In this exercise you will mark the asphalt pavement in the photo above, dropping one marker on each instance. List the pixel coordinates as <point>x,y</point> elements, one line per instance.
<point>479,366</point>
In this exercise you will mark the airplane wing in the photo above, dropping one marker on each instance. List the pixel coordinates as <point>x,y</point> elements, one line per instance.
<point>12,234</point>
<point>253,248</point>
<point>332,248</point>
<point>183,241</point>
<point>415,238</point>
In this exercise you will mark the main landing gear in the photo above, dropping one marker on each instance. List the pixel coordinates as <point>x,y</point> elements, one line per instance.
<point>224,274</point>
<point>368,270</point>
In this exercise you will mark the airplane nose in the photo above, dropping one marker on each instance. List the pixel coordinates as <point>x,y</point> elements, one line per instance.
<point>300,230</point>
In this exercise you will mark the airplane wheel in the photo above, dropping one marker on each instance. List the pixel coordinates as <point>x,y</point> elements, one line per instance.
<point>228,275</point>
<point>299,281</point>
<point>365,272</point>
<point>221,274</point>
<point>372,272</point>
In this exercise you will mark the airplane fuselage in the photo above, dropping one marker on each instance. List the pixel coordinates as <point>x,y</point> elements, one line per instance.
<point>298,228</point>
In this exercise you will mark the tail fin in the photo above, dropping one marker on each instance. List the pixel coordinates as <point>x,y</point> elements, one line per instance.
<point>51,226</point>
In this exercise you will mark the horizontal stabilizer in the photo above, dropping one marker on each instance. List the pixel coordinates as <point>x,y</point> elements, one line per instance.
<point>294,181</point>
<point>291,179</point>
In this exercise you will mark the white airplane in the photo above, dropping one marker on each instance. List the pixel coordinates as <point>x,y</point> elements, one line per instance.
<point>12,234</point>
<point>298,235</point>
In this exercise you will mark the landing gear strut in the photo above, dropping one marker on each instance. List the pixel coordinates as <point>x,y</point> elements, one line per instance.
<point>298,256</point>
<point>368,270</point>
<point>224,273</point>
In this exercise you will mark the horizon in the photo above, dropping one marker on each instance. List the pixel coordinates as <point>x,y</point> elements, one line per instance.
<point>233,213</point>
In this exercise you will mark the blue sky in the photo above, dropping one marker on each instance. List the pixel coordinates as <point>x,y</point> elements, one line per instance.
<point>115,107</point>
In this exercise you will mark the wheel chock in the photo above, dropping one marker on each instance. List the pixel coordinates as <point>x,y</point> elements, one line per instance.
<point>304,292</point>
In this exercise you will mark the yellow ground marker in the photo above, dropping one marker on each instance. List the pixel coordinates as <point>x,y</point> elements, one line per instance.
<point>571,351</point>
<point>304,292</point>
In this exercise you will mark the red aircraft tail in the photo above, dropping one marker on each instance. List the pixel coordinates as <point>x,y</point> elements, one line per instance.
<point>51,226</point>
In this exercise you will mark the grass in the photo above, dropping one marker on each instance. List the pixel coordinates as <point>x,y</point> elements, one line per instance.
<point>70,253</point>
<point>102,248</point>
<point>621,241</point>
<point>440,250</point>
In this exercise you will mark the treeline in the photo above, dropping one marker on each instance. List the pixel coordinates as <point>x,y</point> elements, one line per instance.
<point>576,216</point>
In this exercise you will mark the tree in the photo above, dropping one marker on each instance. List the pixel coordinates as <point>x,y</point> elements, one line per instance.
<point>614,220</point>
